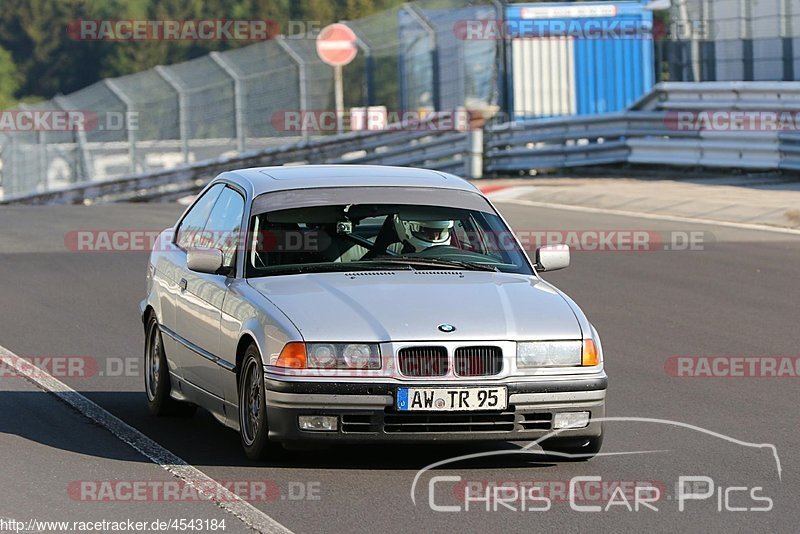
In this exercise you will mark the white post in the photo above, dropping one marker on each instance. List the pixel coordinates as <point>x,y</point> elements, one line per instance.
<point>183,109</point>
<point>474,166</point>
<point>339,90</point>
<point>238,98</point>
<point>81,166</point>
<point>129,108</point>
<point>301,74</point>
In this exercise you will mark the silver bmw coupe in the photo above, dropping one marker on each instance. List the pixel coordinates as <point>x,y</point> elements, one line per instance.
<point>366,303</point>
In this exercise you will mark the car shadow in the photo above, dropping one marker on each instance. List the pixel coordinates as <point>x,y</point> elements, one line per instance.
<point>201,440</point>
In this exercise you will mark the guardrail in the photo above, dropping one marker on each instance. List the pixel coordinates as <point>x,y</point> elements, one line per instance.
<point>566,142</point>
<point>790,151</point>
<point>772,96</point>
<point>651,132</point>
<point>633,137</point>
<point>431,143</point>
<point>645,134</point>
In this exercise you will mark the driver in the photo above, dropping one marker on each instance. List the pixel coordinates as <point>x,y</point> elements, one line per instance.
<point>416,236</point>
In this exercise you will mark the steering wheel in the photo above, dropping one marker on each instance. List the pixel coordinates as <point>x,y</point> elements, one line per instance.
<point>438,251</point>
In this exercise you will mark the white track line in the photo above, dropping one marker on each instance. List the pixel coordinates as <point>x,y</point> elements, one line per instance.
<point>205,485</point>
<point>655,216</point>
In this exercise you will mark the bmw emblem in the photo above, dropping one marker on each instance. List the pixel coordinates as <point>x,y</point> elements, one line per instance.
<point>446,328</point>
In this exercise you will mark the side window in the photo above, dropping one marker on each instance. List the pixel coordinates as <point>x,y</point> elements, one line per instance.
<point>195,220</point>
<point>224,225</point>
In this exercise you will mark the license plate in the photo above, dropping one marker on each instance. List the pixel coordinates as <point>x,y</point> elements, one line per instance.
<point>451,399</point>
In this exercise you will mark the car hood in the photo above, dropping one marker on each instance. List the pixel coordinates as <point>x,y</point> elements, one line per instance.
<point>410,305</point>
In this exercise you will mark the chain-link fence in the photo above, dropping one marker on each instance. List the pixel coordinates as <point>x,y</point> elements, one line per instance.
<point>730,40</point>
<point>266,94</point>
<point>411,58</point>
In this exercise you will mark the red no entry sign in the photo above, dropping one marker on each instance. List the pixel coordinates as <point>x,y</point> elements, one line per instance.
<point>336,45</point>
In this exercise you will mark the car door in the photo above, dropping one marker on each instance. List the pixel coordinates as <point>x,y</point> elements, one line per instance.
<point>172,268</point>
<point>199,308</point>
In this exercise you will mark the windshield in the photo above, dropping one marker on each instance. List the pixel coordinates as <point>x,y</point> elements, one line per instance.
<point>381,236</point>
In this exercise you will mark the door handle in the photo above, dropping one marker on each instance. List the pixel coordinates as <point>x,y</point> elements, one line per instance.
<point>184,284</point>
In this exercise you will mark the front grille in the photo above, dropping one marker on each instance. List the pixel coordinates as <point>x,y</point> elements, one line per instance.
<point>450,422</point>
<point>358,423</point>
<point>537,421</point>
<point>423,361</point>
<point>392,422</point>
<point>478,361</point>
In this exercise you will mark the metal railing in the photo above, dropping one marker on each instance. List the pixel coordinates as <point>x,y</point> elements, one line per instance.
<point>769,96</point>
<point>651,132</point>
<point>430,143</point>
<point>646,134</point>
<point>238,100</point>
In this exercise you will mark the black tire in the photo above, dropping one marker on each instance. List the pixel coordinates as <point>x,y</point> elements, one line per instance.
<point>573,449</point>
<point>156,376</point>
<point>253,427</point>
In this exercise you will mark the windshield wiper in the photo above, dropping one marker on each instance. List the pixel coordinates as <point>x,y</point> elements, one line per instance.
<point>330,267</point>
<point>434,263</point>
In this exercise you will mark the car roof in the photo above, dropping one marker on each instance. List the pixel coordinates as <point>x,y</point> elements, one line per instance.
<point>268,179</point>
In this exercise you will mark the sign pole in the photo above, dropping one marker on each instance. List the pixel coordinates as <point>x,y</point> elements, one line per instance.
<point>336,46</point>
<point>339,91</point>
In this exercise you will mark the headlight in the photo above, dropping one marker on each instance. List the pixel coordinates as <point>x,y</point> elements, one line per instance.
<point>344,356</point>
<point>549,354</point>
<point>322,355</point>
<point>359,356</point>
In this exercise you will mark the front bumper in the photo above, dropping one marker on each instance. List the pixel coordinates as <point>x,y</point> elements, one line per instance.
<point>366,412</point>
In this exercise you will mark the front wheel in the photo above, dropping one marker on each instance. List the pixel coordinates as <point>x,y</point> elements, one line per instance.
<point>156,376</point>
<point>252,407</point>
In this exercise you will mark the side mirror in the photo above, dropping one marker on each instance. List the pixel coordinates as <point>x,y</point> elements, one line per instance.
<point>204,260</point>
<point>552,257</point>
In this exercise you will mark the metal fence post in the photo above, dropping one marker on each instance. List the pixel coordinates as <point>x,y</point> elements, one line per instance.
<point>709,46</point>
<point>183,115</point>
<point>417,15</point>
<point>787,38</point>
<point>238,98</point>
<point>369,80</point>
<point>686,22</point>
<point>114,87</point>
<point>10,174</point>
<point>502,88</point>
<point>81,172</point>
<point>41,145</point>
<point>746,34</point>
<point>301,75</point>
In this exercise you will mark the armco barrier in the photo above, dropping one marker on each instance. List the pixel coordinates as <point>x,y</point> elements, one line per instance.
<point>790,151</point>
<point>644,134</point>
<point>566,142</point>
<point>430,143</point>
<point>721,95</point>
<point>633,137</point>
<point>647,133</point>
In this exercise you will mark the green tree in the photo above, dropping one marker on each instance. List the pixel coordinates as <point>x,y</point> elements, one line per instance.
<point>358,8</point>
<point>51,60</point>
<point>9,79</point>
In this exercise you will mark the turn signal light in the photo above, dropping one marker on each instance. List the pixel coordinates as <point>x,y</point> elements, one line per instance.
<point>589,357</point>
<point>293,356</point>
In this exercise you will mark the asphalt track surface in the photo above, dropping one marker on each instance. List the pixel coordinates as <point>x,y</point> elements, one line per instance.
<point>738,296</point>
